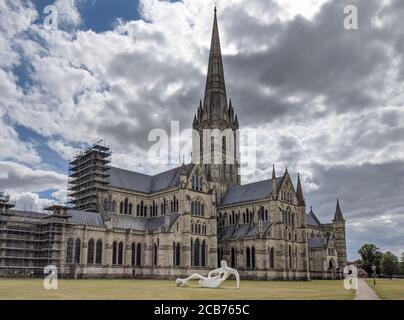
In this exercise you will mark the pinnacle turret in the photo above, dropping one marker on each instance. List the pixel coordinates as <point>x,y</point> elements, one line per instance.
<point>274,191</point>
<point>299,191</point>
<point>338,213</point>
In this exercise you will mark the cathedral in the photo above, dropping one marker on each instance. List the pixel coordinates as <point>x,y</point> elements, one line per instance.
<point>125,224</point>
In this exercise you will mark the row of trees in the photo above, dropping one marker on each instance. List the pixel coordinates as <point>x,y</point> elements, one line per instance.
<point>386,263</point>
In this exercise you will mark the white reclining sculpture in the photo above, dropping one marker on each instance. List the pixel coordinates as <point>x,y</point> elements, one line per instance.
<point>212,282</point>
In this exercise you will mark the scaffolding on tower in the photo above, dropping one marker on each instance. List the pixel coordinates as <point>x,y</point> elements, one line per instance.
<point>88,176</point>
<point>29,241</point>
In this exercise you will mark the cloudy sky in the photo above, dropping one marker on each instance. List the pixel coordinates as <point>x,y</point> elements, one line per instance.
<point>325,101</point>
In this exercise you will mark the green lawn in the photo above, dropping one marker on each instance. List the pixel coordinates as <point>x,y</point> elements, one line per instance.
<point>157,289</point>
<point>388,289</point>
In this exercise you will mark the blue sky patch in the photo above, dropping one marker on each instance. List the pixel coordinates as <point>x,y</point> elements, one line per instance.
<point>50,158</point>
<point>47,194</point>
<point>98,15</point>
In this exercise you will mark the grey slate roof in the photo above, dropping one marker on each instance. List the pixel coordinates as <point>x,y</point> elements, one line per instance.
<point>242,230</point>
<point>312,220</point>
<point>119,221</point>
<point>250,192</point>
<point>144,183</point>
<point>85,218</point>
<point>129,222</point>
<point>317,242</point>
<point>130,180</point>
<point>95,219</point>
<point>30,214</point>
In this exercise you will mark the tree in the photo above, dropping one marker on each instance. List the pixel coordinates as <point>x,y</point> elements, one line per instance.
<point>378,260</point>
<point>389,264</point>
<point>358,263</point>
<point>402,263</point>
<point>370,255</point>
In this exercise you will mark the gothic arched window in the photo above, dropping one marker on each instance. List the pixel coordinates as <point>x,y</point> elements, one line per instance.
<point>120,253</point>
<point>133,254</point>
<point>253,257</point>
<point>233,258</point>
<point>138,254</point>
<point>248,258</point>
<point>114,252</point>
<point>178,255</point>
<point>203,254</point>
<point>121,207</point>
<point>155,252</point>
<point>90,252</point>
<point>192,252</point>
<point>125,211</point>
<point>212,148</point>
<point>69,251</point>
<point>174,252</point>
<point>290,257</point>
<point>197,253</point>
<point>77,251</point>
<point>98,252</point>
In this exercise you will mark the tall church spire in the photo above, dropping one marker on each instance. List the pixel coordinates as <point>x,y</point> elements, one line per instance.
<point>215,138</point>
<point>215,101</point>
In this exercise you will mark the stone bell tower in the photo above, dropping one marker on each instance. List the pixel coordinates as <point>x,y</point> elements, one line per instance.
<point>216,144</point>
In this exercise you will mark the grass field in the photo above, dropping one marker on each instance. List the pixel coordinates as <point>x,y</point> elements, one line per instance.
<point>388,289</point>
<point>30,289</point>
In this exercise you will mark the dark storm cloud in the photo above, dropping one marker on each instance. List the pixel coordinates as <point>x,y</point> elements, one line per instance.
<point>394,26</point>
<point>368,190</point>
<point>303,58</point>
<point>152,109</point>
<point>312,58</point>
<point>371,201</point>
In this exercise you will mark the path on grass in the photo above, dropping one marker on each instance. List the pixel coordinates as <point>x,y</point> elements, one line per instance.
<point>365,292</point>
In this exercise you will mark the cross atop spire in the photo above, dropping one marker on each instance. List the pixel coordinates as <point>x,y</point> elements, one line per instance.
<point>215,101</point>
